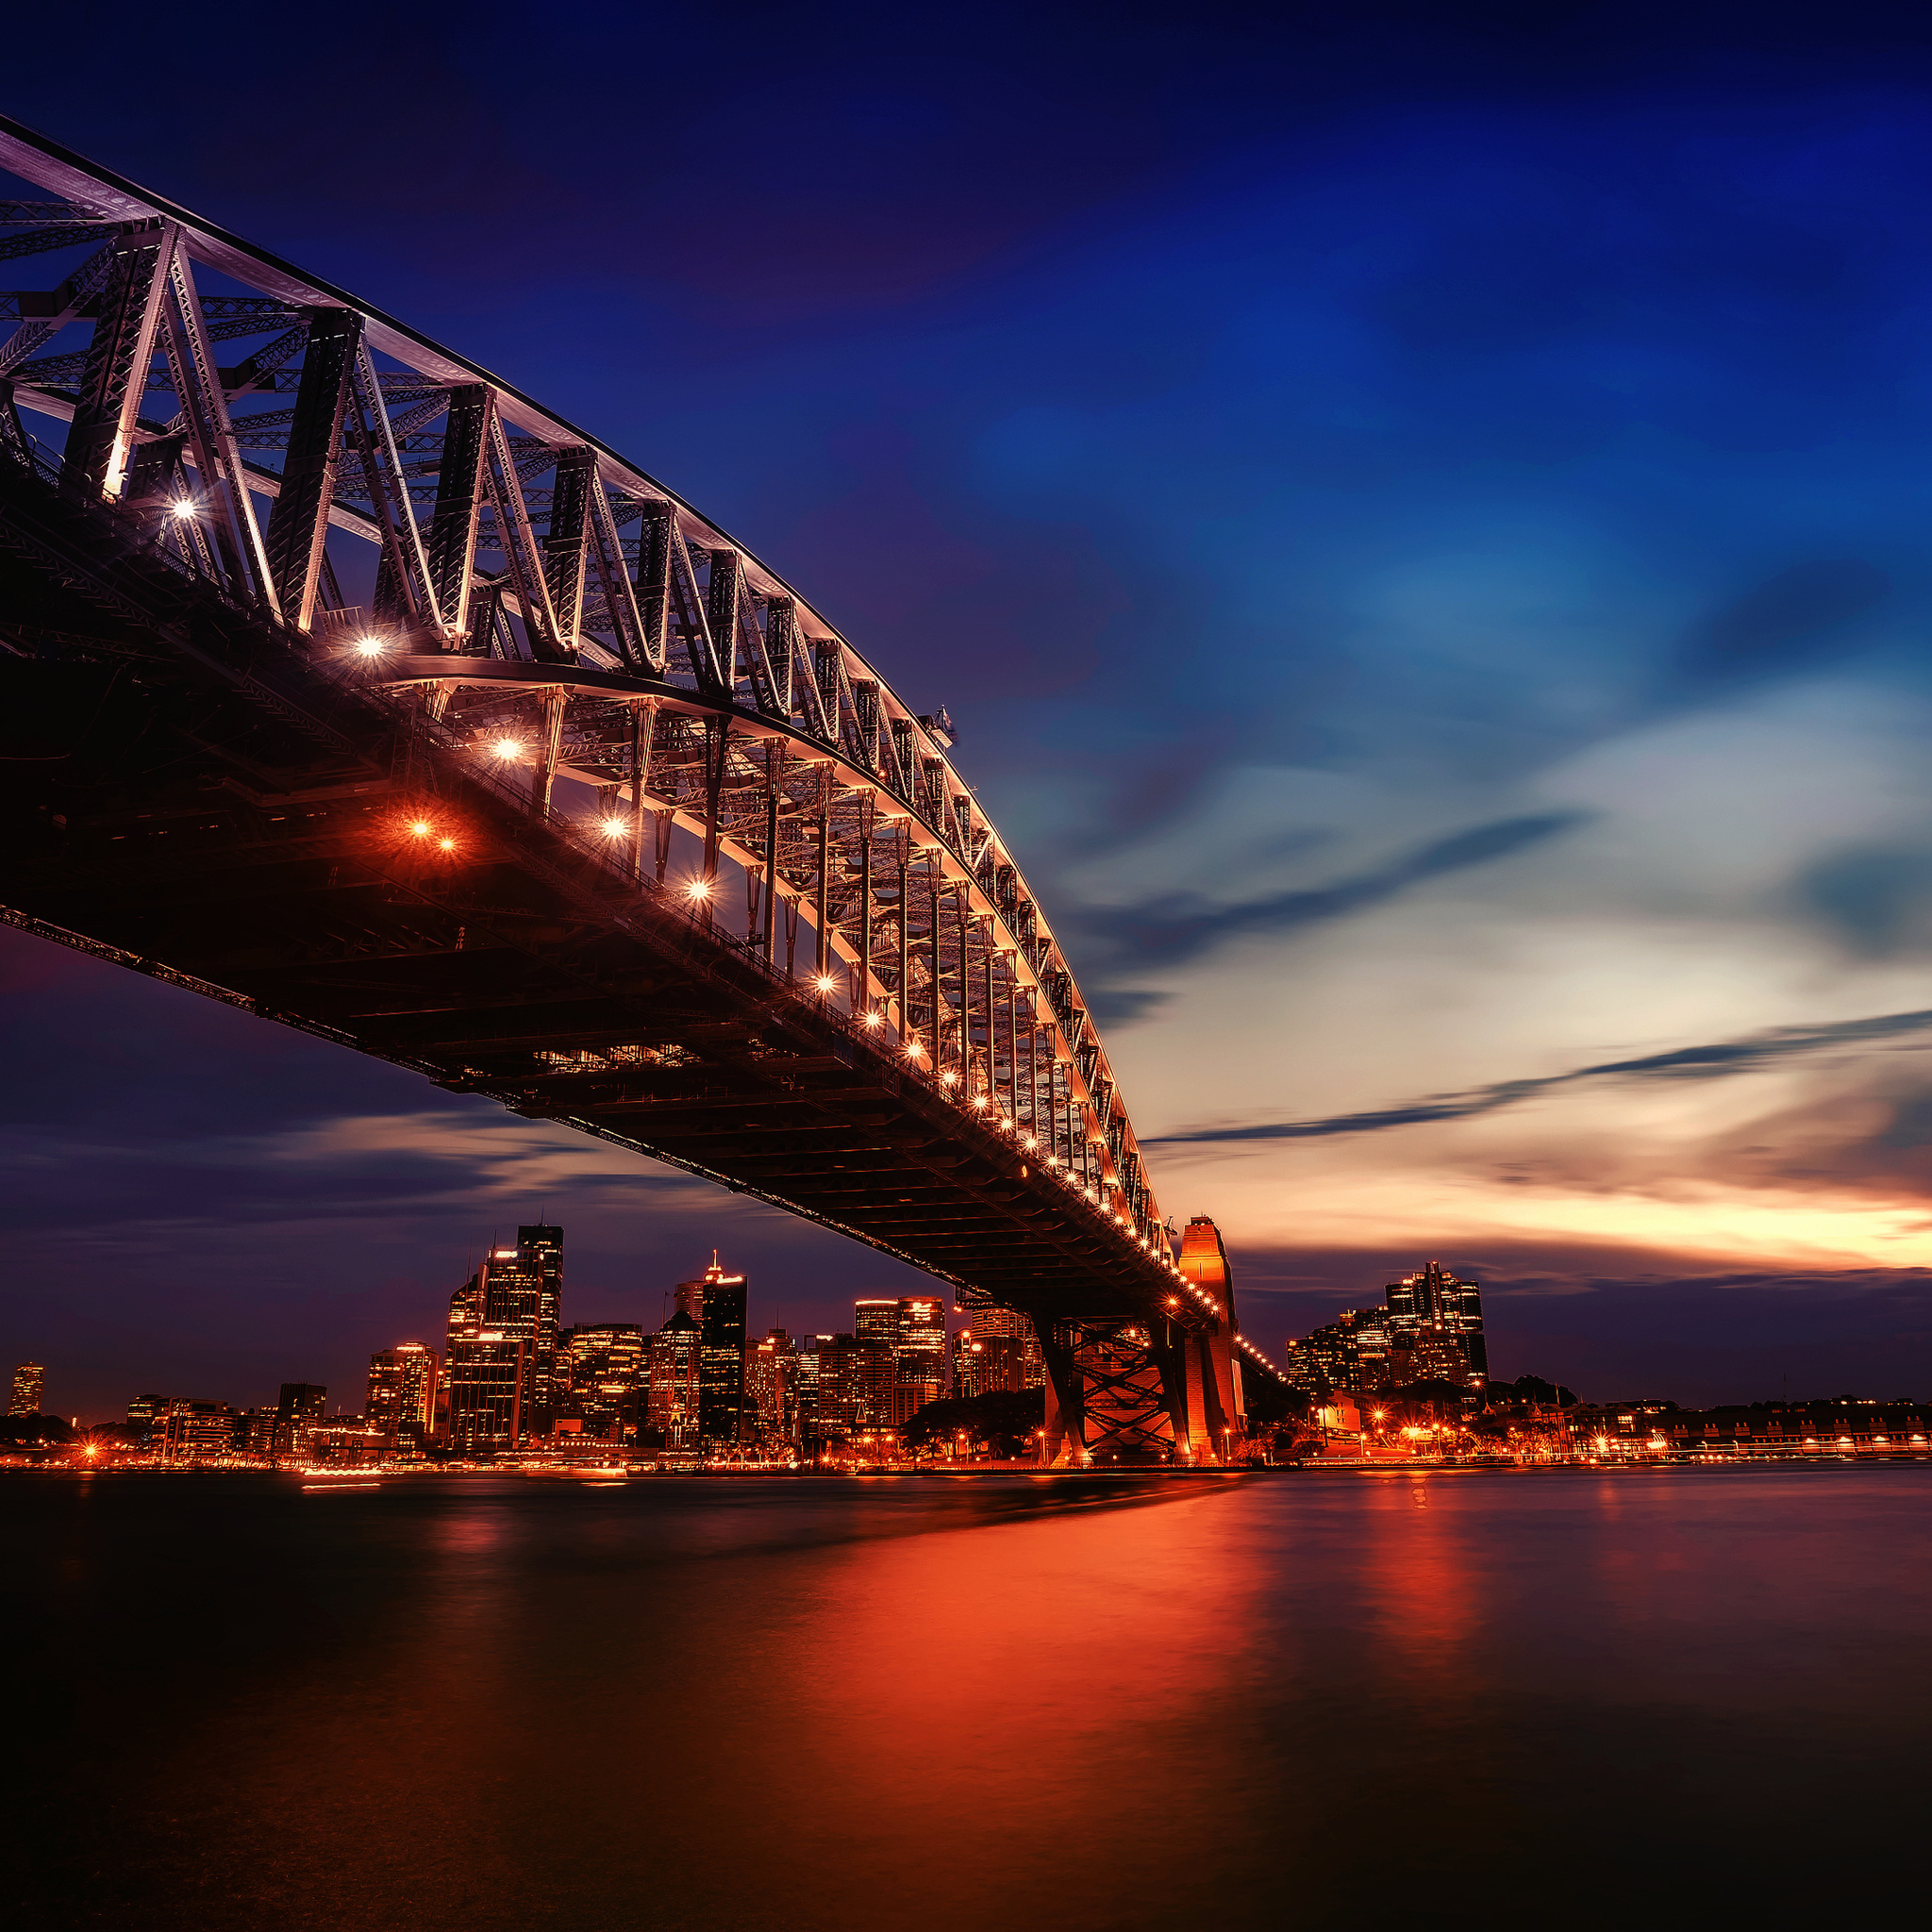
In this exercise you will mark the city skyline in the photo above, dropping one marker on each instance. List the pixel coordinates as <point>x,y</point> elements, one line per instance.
<point>1495,599</point>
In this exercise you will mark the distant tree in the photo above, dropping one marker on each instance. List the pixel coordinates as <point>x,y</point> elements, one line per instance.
<point>1270,1401</point>
<point>1003,1421</point>
<point>23,1431</point>
<point>1532,1389</point>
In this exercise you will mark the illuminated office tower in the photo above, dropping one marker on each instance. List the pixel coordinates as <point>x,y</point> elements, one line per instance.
<point>674,1394</point>
<point>515,1296</point>
<point>832,1388</point>
<point>716,1302</point>
<point>918,1367</point>
<point>601,1372</point>
<point>1008,1357</point>
<point>402,1394</point>
<point>876,1331</point>
<point>487,1374</point>
<point>301,1407</point>
<point>771,1390</point>
<point>1436,1328</point>
<point>29,1390</point>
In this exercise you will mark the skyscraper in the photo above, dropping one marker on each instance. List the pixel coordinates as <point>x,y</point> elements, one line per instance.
<point>716,1300</point>
<point>487,1374</point>
<point>515,1296</point>
<point>402,1394</point>
<point>918,1355</point>
<point>674,1397</point>
<point>1008,1355</point>
<point>600,1371</point>
<point>834,1377</point>
<point>771,1390</point>
<point>1436,1328</point>
<point>29,1390</point>
<point>876,1329</point>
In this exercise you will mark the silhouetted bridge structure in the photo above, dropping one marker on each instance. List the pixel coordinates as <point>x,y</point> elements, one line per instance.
<point>348,684</point>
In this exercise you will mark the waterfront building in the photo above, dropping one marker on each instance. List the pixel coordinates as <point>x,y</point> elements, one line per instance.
<point>876,1331</point>
<point>717,1300</point>
<point>673,1393</point>
<point>191,1431</point>
<point>254,1433</point>
<point>488,1376</point>
<point>918,1355</point>
<point>602,1372</point>
<point>516,1296</point>
<point>146,1415</point>
<point>402,1394</point>
<point>771,1390</point>
<point>29,1390</point>
<point>833,1381</point>
<point>301,1407</point>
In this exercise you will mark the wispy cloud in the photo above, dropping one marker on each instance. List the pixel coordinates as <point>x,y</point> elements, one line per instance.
<point>1171,930</point>
<point>1712,1061</point>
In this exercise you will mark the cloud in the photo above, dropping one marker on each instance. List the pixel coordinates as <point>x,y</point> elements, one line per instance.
<point>1712,1061</point>
<point>1170,931</point>
<point>1787,625</point>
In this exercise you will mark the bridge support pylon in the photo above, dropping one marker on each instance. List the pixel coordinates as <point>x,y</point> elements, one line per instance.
<point>1166,1390</point>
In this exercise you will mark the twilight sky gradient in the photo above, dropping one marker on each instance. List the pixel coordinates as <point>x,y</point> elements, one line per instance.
<point>1421,518</point>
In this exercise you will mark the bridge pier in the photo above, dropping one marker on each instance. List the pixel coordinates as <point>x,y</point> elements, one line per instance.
<point>1118,1390</point>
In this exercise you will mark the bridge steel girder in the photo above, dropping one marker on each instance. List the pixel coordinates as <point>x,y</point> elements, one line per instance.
<point>931,1037</point>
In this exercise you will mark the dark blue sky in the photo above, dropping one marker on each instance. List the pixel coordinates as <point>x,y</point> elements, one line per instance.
<point>1421,517</point>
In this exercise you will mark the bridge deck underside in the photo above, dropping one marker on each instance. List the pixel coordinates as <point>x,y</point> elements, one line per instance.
<point>181,789</point>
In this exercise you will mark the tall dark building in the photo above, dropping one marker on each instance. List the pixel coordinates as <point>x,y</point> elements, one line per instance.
<point>514,1297</point>
<point>301,1407</point>
<point>721,1371</point>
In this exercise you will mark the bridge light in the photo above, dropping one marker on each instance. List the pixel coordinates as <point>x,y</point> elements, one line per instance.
<point>949,1079</point>
<point>697,889</point>
<point>875,1018</point>
<point>823,982</point>
<point>615,829</point>
<point>914,1051</point>
<point>422,829</point>
<point>182,510</point>
<point>979,1100</point>
<point>509,747</point>
<point>370,647</point>
<point>445,845</point>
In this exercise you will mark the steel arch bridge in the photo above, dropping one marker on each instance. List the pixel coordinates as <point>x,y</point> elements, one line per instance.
<point>351,686</point>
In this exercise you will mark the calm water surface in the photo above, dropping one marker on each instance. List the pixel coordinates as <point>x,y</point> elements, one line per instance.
<point>1281,1701</point>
